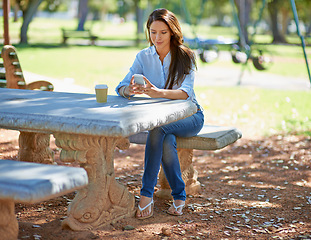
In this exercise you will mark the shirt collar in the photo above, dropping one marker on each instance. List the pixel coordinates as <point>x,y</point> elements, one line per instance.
<point>154,52</point>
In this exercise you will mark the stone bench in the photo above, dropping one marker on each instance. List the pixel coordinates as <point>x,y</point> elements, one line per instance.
<point>26,182</point>
<point>209,138</point>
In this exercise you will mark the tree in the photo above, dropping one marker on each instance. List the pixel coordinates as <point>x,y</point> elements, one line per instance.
<point>95,7</point>
<point>273,9</point>
<point>82,14</point>
<point>244,8</point>
<point>29,8</point>
<point>219,9</point>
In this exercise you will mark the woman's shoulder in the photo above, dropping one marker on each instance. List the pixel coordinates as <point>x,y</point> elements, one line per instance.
<point>146,51</point>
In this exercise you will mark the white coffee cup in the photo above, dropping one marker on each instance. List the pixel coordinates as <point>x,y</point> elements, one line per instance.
<point>101,91</point>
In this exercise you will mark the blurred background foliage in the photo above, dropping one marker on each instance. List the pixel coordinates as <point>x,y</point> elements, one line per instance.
<point>276,21</point>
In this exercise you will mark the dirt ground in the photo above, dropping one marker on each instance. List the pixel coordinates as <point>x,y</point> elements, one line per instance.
<point>253,189</point>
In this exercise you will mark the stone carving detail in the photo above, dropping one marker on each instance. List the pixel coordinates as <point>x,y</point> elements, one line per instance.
<point>104,200</point>
<point>189,175</point>
<point>8,221</point>
<point>34,147</point>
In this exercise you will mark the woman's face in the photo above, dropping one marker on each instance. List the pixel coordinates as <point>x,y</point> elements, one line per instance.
<point>160,36</point>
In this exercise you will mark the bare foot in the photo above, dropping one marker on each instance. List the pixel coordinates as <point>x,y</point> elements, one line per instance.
<point>176,208</point>
<point>145,208</point>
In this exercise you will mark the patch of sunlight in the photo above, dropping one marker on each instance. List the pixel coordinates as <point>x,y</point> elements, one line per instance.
<point>253,203</point>
<point>303,183</point>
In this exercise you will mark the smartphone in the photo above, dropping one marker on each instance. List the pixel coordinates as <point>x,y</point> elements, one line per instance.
<point>138,78</point>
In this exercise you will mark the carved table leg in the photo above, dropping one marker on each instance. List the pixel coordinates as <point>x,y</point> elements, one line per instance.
<point>8,221</point>
<point>189,175</point>
<point>104,200</point>
<point>34,147</point>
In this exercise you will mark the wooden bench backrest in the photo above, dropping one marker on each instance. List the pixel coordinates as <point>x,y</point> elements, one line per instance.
<point>13,71</point>
<point>2,74</point>
<point>11,74</point>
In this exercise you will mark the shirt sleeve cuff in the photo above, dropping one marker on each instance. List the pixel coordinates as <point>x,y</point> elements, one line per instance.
<point>189,92</point>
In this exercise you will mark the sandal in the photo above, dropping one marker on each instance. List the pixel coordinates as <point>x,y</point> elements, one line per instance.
<point>176,212</point>
<point>142,209</point>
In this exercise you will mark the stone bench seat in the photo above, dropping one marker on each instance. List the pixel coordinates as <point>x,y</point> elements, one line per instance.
<point>209,138</point>
<point>27,182</point>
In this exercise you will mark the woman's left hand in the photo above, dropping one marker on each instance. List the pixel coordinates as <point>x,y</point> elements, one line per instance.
<point>151,90</point>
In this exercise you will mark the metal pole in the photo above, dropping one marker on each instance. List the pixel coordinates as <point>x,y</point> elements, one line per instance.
<point>6,12</point>
<point>301,37</point>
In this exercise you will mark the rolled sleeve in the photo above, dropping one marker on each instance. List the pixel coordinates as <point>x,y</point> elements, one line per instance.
<point>135,68</point>
<point>187,85</point>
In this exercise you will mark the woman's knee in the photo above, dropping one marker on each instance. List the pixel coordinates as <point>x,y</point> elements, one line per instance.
<point>156,132</point>
<point>155,136</point>
<point>169,150</point>
<point>169,142</point>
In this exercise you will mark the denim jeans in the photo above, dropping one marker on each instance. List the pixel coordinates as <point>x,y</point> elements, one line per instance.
<point>161,149</point>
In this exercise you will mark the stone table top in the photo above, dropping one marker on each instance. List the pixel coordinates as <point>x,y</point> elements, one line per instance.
<point>50,112</point>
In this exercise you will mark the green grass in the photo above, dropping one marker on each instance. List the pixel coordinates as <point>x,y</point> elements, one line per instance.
<point>86,65</point>
<point>48,31</point>
<point>261,112</point>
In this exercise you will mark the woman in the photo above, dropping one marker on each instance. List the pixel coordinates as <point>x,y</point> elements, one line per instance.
<point>168,68</point>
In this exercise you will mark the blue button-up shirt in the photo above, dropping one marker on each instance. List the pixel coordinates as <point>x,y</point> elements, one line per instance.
<point>148,63</point>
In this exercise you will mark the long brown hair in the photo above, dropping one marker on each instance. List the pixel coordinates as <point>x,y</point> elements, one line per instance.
<point>182,57</point>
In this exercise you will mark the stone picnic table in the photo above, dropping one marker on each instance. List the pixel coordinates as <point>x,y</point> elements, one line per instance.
<point>87,133</point>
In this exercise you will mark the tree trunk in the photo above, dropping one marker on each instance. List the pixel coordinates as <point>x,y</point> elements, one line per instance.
<point>285,20</point>
<point>28,16</point>
<point>308,33</point>
<point>273,12</point>
<point>82,14</point>
<point>244,9</point>
<point>139,21</point>
<point>16,8</point>
<point>219,17</point>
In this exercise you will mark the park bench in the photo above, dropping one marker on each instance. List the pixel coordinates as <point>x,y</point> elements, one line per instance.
<point>78,34</point>
<point>209,138</point>
<point>26,182</point>
<point>2,75</point>
<point>11,74</point>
